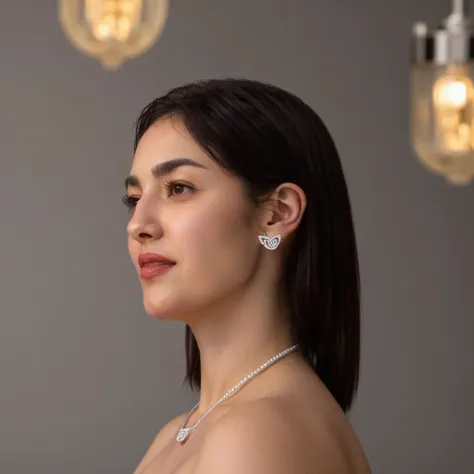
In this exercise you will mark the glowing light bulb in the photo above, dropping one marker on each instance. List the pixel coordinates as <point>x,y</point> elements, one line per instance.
<point>452,97</point>
<point>442,95</point>
<point>113,30</point>
<point>113,19</point>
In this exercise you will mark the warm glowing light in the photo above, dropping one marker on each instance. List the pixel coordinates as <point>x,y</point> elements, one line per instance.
<point>113,30</point>
<point>450,92</point>
<point>113,19</point>
<point>452,98</point>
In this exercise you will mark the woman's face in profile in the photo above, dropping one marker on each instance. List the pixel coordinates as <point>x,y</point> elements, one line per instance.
<point>189,210</point>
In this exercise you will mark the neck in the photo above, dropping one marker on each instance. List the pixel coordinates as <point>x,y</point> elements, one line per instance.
<point>236,338</point>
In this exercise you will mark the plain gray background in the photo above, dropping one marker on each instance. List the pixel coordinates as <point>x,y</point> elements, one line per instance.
<point>87,378</point>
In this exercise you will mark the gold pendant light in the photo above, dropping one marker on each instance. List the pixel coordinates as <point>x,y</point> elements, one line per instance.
<point>442,96</point>
<point>113,30</point>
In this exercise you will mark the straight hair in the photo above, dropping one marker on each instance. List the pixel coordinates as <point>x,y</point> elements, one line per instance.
<point>266,136</point>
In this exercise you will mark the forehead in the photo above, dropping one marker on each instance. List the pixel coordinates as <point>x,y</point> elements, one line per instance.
<point>164,140</point>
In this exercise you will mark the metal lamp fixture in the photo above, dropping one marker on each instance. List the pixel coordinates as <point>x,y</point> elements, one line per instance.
<point>442,96</point>
<point>113,30</point>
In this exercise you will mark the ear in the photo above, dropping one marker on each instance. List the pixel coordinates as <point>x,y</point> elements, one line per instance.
<point>283,210</point>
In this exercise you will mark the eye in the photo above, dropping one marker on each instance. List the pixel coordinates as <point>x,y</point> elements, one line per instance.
<point>130,201</point>
<point>177,188</point>
<point>172,187</point>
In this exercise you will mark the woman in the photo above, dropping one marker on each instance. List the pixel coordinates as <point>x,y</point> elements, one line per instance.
<point>241,227</point>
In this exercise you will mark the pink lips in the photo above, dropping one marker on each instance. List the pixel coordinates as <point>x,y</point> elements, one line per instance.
<point>153,265</point>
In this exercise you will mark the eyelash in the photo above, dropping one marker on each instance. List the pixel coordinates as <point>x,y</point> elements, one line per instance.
<point>131,201</point>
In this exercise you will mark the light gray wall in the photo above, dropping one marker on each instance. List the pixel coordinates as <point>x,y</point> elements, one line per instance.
<point>86,377</point>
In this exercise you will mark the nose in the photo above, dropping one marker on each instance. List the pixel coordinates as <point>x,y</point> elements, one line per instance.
<point>145,222</point>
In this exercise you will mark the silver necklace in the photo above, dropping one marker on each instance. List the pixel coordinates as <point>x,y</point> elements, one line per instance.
<point>184,433</point>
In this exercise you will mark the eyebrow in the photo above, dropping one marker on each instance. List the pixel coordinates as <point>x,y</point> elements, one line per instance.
<point>162,169</point>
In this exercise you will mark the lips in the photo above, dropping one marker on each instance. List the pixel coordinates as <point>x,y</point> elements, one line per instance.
<point>153,265</point>
<point>153,259</point>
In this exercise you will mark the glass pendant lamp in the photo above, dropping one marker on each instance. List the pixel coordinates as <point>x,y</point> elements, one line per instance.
<point>442,96</point>
<point>113,30</point>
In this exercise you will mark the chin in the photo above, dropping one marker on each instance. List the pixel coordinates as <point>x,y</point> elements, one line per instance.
<point>162,309</point>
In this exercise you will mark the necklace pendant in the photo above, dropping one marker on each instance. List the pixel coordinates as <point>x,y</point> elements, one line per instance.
<point>183,434</point>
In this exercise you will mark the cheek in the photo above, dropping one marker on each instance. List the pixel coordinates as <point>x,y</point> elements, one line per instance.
<point>215,240</point>
<point>212,224</point>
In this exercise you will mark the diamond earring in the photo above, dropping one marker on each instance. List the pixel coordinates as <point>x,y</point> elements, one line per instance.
<point>270,243</point>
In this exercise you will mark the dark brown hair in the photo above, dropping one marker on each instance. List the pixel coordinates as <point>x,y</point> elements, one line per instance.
<point>266,136</point>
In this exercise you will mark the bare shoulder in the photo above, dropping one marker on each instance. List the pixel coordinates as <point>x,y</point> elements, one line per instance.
<point>264,437</point>
<point>160,441</point>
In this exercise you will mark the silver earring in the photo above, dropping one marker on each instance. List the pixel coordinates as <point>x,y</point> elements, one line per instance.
<point>270,243</point>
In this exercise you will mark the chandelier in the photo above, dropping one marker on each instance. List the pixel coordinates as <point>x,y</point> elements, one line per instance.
<point>442,96</point>
<point>113,30</point>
